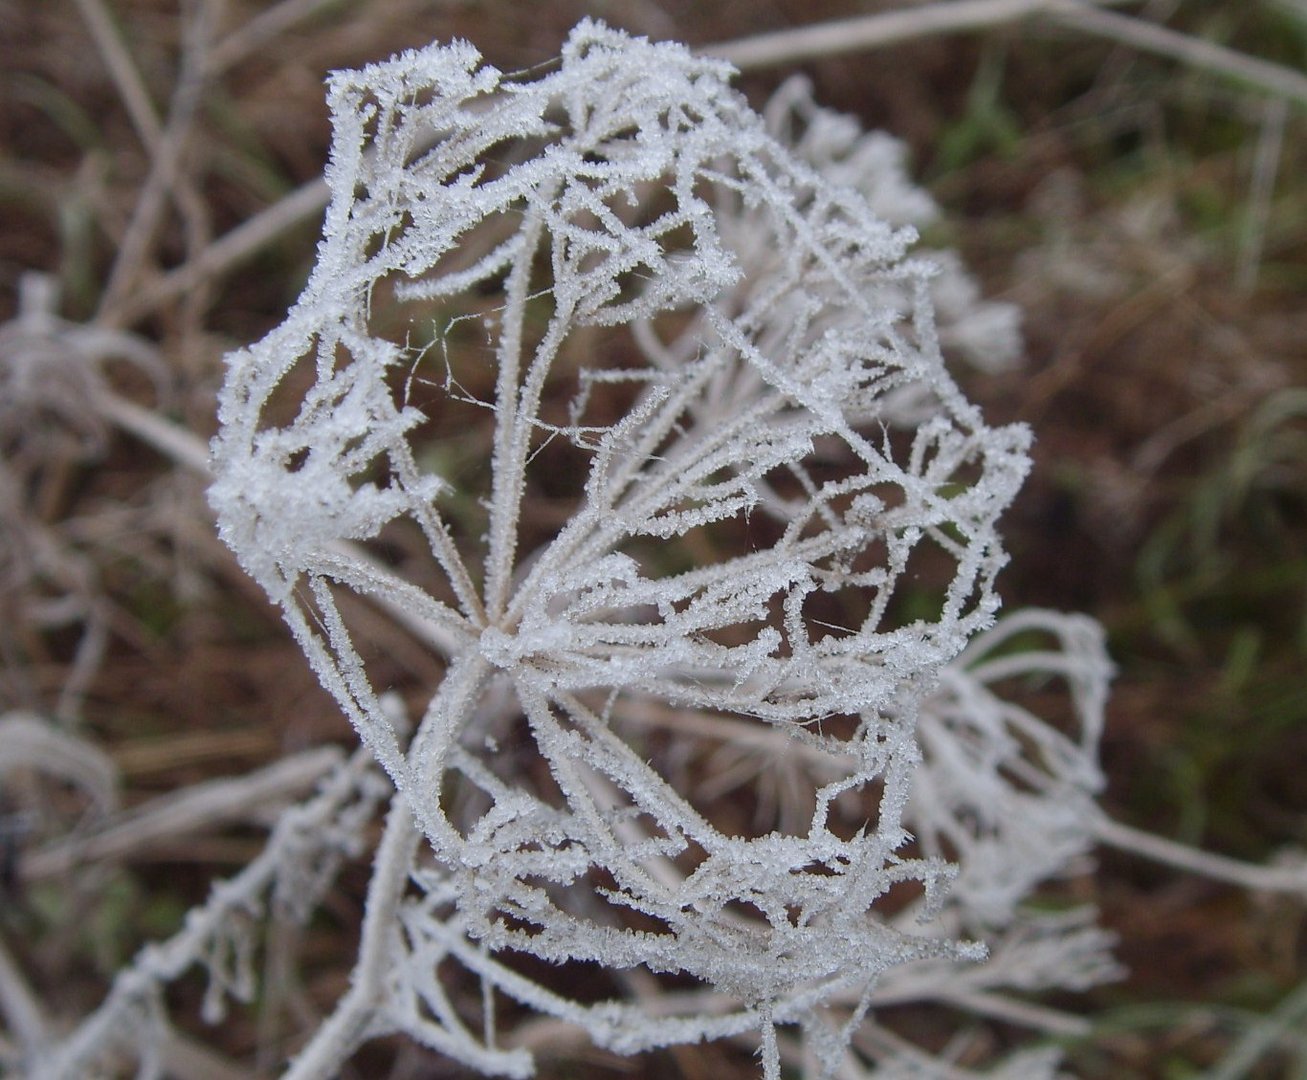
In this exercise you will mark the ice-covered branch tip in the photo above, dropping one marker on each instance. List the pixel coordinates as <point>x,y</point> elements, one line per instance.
<point>650,418</point>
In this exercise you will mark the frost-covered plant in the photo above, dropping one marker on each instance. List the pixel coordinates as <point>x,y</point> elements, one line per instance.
<point>984,333</point>
<point>641,420</point>
<point>780,525</point>
<point>759,392</point>
<point>1002,793</point>
<point>282,885</point>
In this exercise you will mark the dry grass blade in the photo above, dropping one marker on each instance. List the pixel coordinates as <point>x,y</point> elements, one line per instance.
<point>1266,166</point>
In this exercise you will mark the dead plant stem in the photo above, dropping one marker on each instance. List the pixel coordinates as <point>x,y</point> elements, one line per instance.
<point>954,16</point>
<point>164,181</point>
<point>122,70</point>
<point>20,1007</point>
<point>842,36</point>
<point>1291,879</point>
<point>200,806</point>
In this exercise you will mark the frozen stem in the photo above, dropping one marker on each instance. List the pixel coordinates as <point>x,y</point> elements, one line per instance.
<point>356,1016</point>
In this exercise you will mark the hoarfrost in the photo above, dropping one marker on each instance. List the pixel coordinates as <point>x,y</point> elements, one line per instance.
<point>717,353</point>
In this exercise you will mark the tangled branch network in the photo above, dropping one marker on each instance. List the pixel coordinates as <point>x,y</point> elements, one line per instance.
<point>631,405</point>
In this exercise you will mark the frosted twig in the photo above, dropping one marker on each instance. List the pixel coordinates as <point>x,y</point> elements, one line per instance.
<point>292,870</point>
<point>360,1014</point>
<point>767,1050</point>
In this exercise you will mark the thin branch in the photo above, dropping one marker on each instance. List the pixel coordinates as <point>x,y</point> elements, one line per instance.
<point>173,442</point>
<point>162,185</point>
<point>1146,36</point>
<point>880,1042</point>
<point>844,36</point>
<point>201,806</point>
<point>1025,1013</point>
<point>20,1007</point>
<point>257,32</point>
<point>1285,1023</point>
<point>873,31</point>
<point>360,1013</point>
<point>231,249</point>
<point>1291,879</point>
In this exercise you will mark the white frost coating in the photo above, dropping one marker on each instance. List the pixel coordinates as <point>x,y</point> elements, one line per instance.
<point>703,344</point>
<point>1001,792</point>
<point>987,334</point>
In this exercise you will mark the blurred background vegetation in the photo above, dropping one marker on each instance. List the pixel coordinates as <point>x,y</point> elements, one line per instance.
<point>1148,214</point>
